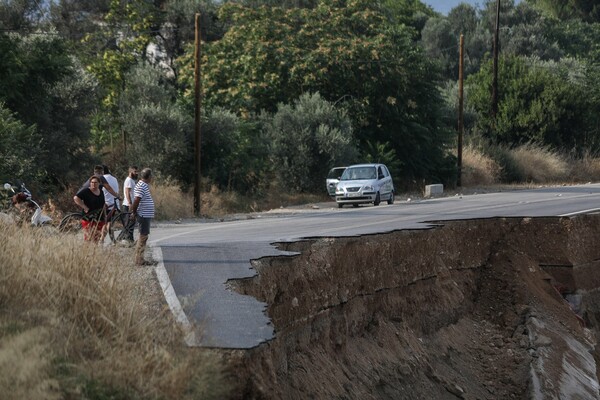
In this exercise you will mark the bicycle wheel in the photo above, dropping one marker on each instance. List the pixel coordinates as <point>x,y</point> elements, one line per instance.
<point>118,227</point>
<point>71,223</point>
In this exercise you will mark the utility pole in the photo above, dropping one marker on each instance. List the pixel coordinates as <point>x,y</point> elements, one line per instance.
<point>197,122</point>
<point>495,72</point>
<point>460,107</point>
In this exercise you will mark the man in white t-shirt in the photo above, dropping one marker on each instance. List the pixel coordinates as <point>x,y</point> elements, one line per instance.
<point>109,199</point>
<point>128,187</point>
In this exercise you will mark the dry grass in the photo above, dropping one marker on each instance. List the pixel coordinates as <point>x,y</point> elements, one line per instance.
<point>75,322</point>
<point>540,164</point>
<point>531,163</point>
<point>478,168</point>
<point>585,169</point>
<point>172,203</point>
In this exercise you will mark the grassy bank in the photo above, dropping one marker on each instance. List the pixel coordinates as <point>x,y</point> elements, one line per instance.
<point>79,321</point>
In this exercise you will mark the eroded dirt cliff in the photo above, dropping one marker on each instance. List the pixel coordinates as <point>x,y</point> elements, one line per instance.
<point>469,309</point>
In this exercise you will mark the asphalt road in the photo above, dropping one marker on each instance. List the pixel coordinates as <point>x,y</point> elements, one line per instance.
<point>197,259</point>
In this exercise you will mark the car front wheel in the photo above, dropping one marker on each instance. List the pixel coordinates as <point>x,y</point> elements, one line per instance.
<point>391,199</point>
<point>377,199</point>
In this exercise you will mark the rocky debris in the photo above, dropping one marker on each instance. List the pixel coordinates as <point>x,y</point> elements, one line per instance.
<point>463,311</point>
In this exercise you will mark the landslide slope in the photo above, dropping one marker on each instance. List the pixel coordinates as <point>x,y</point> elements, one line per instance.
<point>469,309</point>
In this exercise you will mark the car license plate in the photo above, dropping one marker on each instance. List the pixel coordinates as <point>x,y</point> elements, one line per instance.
<point>352,194</point>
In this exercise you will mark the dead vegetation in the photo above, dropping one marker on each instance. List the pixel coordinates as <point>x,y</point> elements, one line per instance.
<point>80,321</point>
<point>529,163</point>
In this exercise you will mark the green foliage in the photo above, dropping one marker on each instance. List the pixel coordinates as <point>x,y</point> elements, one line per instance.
<point>43,86</point>
<point>587,10</point>
<point>577,39</point>
<point>442,44</point>
<point>382,153</point>
<point>178,29</point>
<point>538,102</point>
<point>158,131</point>
<point>20,14</point>
<point>347,52</point>
<point>28,66</point>
<point>525,31</point>
<point>122,41</point>
<point>413,13</point>
<point>234,152</point>
<point>20,148</point>
<point>74,19</point>
<point>306,140</point>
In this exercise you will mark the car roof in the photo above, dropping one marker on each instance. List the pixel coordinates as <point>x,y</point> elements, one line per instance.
<point>364,165</point>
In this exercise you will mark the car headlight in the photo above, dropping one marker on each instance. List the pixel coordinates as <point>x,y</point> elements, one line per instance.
<point>339,190</point>
<point>368,188</point>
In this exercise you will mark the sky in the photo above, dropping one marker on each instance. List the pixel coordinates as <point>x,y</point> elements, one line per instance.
<point>443,6</point>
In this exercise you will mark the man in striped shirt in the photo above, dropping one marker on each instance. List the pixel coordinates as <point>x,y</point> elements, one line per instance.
<point>143,209</point>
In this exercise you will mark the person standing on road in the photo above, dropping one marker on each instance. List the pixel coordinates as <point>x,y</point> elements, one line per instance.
<point>91,201</point>
<point>143,210</point>
<point>99,173</point>
<point>128,188</point>
<point>109,199</point>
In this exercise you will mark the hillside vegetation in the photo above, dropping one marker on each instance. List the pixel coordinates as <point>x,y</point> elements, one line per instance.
<point>292,88</point>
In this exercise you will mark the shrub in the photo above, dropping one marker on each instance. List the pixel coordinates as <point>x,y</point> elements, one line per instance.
<point>307,139</point>
<point>586,168</point>
<point>540,164</point>
<point>478,168</point>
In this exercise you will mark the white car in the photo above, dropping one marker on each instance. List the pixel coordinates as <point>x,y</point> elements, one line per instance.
<point>333,178</point>
<point>365,183</point>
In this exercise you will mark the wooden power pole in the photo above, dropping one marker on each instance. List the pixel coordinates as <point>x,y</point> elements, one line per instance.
<point>197,121</point>
<point>460,108</point>
<point>495,72</point>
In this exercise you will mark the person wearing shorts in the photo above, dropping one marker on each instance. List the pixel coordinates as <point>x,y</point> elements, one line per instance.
<point>143,210</point>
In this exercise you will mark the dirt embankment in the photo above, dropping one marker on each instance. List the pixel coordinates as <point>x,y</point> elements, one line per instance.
<point>470,309</point>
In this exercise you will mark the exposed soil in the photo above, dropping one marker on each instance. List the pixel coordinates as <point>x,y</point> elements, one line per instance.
<point>470,309</point>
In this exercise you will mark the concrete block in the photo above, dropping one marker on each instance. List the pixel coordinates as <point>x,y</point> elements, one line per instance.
<point>432,190</point>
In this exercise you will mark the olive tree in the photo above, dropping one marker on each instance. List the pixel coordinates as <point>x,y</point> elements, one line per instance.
<point>306,139</point>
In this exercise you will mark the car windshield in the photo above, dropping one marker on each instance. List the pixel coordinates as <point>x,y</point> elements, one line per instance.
<point>359,173</point>
<point>335,173</point>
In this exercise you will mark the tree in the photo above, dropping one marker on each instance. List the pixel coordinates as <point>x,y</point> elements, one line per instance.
<point>20,149</point>
<point>306,139</point>
<point>441,43</point>
<point>235,152</point>
<point>159,130</point>
<point>411,13</point>
<point>541,102</point>
<point>587,10</point>
<point>20,15</point>
<point>177,28</point>
<point>75,19</point>
<point>44,87</point>
<point>346,51</point>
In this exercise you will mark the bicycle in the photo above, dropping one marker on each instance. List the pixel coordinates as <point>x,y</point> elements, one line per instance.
<point>71,223</point>
<point>120,223</point>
